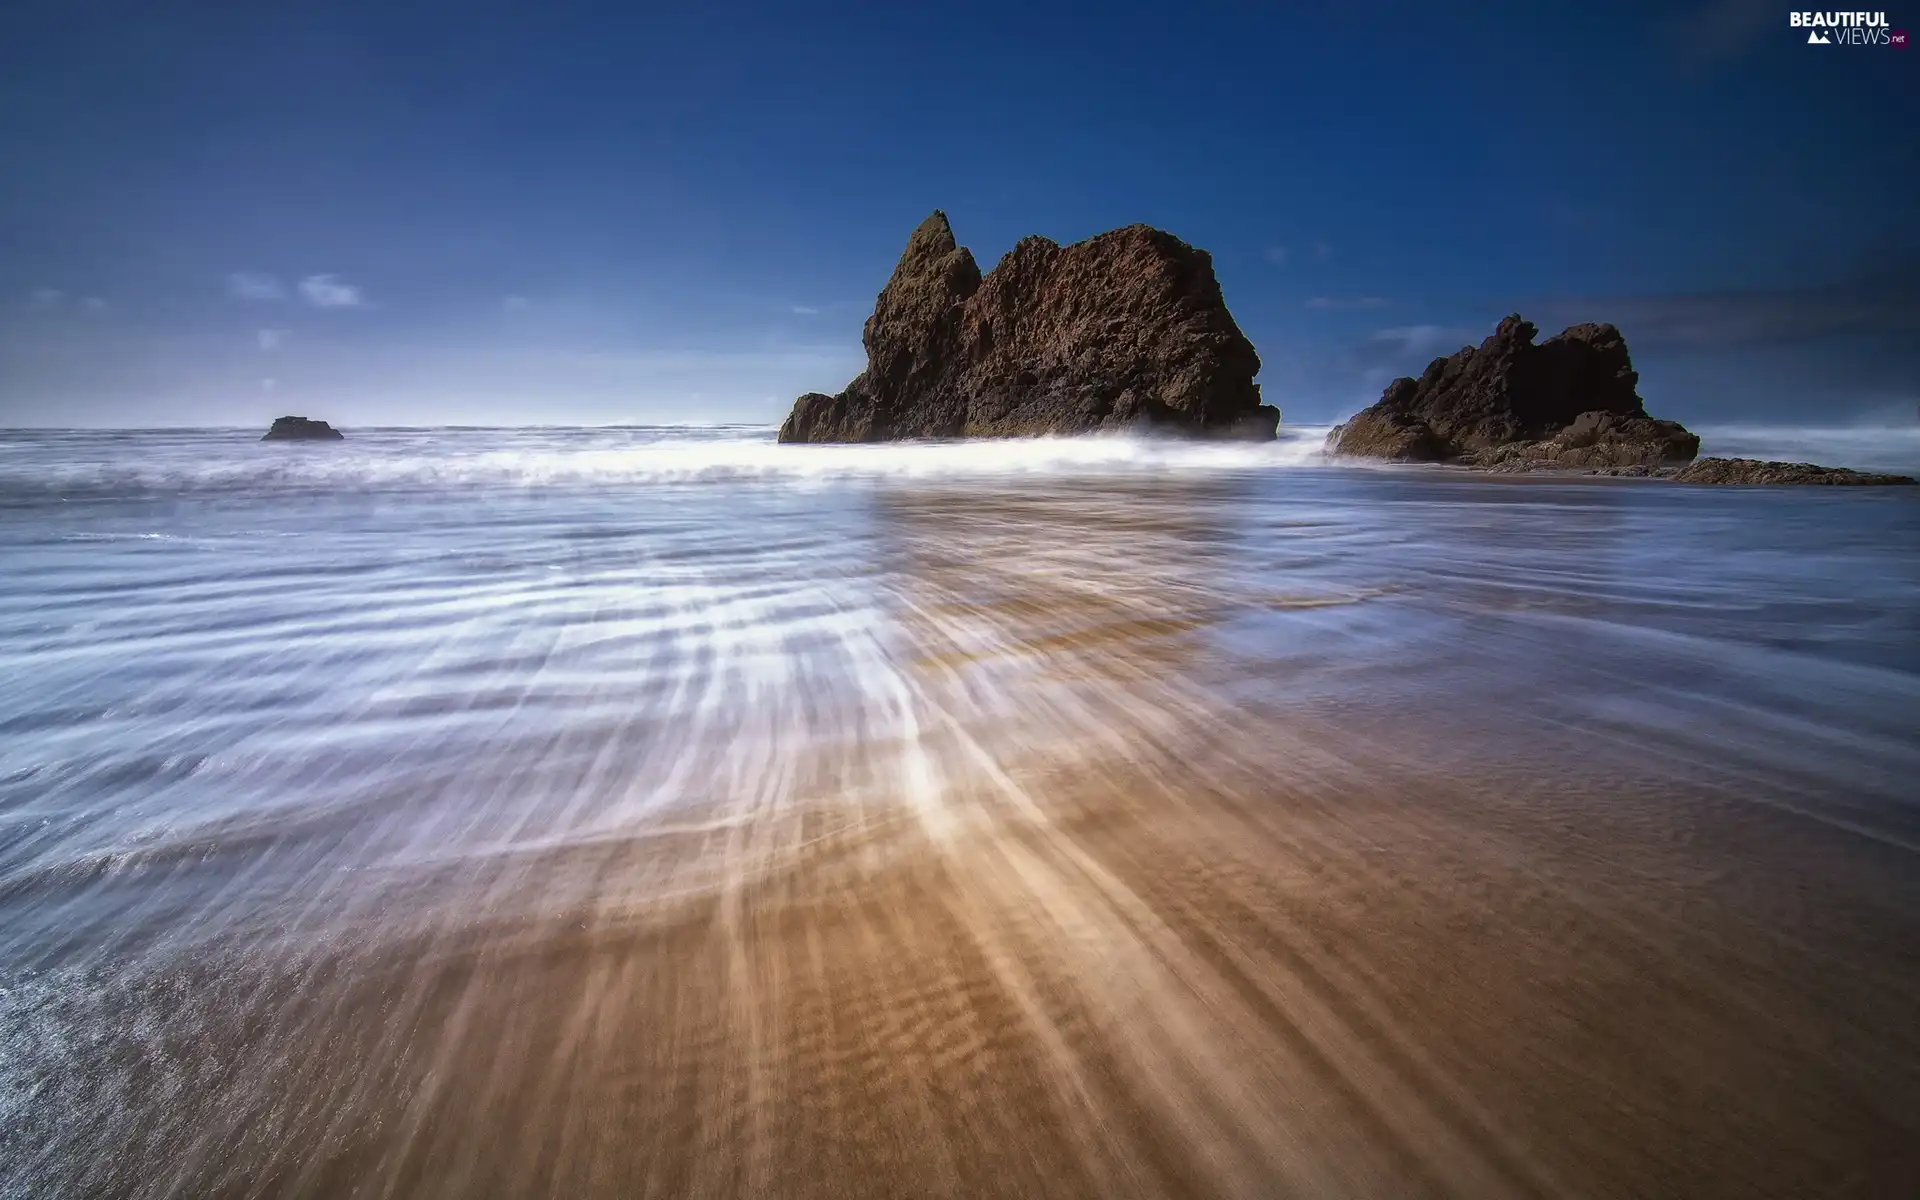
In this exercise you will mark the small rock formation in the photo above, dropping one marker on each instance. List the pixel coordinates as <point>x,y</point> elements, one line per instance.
<point>1511,405</point>
<point>299,429</point>
<point>1753,470</point>
<point>1125,330</point>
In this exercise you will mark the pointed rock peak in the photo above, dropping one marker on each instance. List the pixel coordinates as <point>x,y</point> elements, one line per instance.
<point>1515,328</point>
<point>933,237</point>
<point>933,259</point>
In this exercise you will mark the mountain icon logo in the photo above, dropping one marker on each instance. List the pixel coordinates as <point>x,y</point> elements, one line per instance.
<point>1819,38</point>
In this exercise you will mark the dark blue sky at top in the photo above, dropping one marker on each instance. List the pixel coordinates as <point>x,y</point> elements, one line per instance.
<point>473,213</point>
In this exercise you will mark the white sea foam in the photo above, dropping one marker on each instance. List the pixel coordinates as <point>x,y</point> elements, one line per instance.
<point>382,459</point>
<point>63,466</point>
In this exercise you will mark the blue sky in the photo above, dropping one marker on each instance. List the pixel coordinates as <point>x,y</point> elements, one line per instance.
<point>469,213</point>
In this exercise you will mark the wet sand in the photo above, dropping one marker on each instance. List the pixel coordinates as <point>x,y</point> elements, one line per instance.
<point>1095,859</point>
<point>1339,985</point>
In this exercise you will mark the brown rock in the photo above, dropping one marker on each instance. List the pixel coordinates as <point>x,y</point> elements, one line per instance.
<point>1508,404</point>
<point>1598,441</point>
<point>1127,329</point>
<point>1753,470</point>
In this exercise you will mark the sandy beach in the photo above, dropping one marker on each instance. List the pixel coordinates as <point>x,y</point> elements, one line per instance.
<point>1356,982</point>
<point>1113,848</point>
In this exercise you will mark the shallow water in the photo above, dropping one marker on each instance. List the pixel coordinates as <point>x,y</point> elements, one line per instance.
<point>641,811</point>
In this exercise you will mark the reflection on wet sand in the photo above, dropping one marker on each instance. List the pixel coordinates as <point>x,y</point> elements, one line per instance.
<point>1031,879</point>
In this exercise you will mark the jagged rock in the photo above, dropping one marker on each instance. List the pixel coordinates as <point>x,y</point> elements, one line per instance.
<point>1510,405</point>
<point>1598,440</point>
<point>1753,470</point>
<point>300,429</point>
<point>1127,329</point>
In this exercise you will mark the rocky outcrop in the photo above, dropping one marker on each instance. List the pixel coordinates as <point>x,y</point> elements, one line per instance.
<point>1597,441</point>
<point>1508,404</point>
<point>1126,330</point>
<point>1753,470</point>
<point>300,429</point>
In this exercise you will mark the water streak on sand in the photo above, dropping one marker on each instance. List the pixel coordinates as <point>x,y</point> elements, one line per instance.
<point>668,813</point>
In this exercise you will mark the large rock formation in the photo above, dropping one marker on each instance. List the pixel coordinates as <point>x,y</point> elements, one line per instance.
<point>300,429</point>
<point>1568,402</point>
<point>1753,470</point>
<point>1124,330</point>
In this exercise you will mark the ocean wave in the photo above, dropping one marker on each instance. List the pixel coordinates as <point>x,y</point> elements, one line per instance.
<point>111,464</point>
<point>90,465</point>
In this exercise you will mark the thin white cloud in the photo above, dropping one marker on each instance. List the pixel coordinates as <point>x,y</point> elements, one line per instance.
<point>272,339</point>
<point>1423,339</point>
<point>94,304</point>
<point>269,385</point>
<point>252,285</point>
<point>1347,302</point>
<point>327,291</point>
<point>804,310</point>
<point>515,303</point>
<point>45,298</point>
<point>1322,251</point>
<point>1278,255</point>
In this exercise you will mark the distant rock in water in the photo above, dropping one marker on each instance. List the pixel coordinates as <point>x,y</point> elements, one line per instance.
<point>1510,405</point>
<point>1126,330</point>
<point>1753,470</point>
<point>300,429</point>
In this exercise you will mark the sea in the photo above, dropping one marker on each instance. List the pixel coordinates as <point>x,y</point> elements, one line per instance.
<point>666,811</point>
